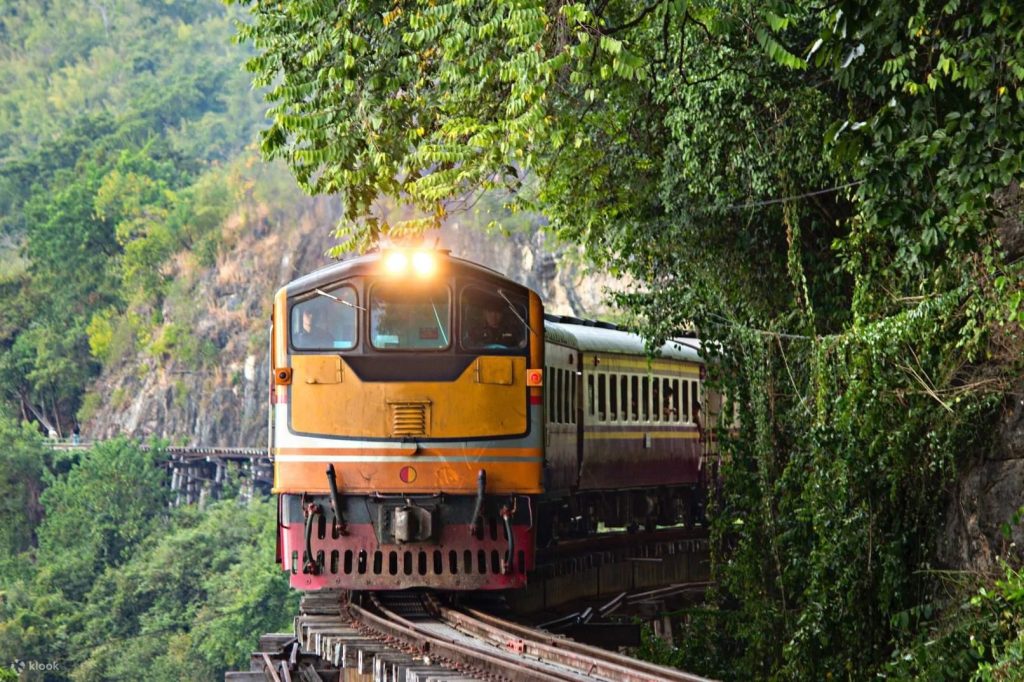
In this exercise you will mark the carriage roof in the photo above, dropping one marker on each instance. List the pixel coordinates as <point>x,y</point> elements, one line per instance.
<point>596,337</point>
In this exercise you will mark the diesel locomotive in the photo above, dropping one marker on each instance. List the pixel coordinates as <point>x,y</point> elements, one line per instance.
<point>431,427</point>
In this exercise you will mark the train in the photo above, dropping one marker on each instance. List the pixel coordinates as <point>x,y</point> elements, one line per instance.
<point>430,426</point>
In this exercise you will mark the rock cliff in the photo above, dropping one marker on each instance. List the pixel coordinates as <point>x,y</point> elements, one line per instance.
<point>978,525</point>
<point>986,496</point>
<point>222,400</point>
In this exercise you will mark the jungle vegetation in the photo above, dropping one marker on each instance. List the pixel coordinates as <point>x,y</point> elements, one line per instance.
<point>99,578</point>
<point>828,192</point>
<point>124,127</point>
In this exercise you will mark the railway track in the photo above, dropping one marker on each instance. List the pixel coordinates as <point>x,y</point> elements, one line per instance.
<point>414,636</point>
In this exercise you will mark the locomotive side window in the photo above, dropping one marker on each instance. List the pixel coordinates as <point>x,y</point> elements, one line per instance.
<point>493,319</point>
<point>325,322</point>
<point>409,319</point>
<point>602,397</point>
<point>590,394</point>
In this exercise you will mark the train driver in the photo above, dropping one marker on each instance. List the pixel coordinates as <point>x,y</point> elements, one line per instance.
<point>326,322</point>
<point>312,331</point>
<point>498,327</point>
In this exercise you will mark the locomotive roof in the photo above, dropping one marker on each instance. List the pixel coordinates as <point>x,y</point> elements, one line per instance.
<point>574,333</point>
<point>603,339</point>
<point>366,263</point>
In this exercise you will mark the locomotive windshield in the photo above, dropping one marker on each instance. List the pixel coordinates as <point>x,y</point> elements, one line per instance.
<point>326,321</point>
<point>407,318</point>
<point>493,319</point>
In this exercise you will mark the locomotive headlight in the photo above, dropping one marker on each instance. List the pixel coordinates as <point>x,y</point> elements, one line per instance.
<point>423,263</point>
<point>396,262</point>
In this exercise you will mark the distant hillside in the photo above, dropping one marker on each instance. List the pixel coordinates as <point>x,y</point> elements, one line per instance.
<point>142,237</point>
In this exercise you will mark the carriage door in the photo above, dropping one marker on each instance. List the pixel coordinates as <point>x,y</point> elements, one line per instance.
<point>561,391</point>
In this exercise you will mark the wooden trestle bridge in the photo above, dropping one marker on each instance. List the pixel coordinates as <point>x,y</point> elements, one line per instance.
<point>199,473</point>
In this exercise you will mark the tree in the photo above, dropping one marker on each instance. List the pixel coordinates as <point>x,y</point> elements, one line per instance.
<point>817,190</point>
<point>22,464</point>
<point>98,513</point>
<point>192,600</point>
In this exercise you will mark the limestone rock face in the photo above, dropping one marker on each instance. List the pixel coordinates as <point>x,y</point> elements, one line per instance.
<point>222,400</point>
<point>986,497</point>
<point>991,489</point>
<point>1010,222</point>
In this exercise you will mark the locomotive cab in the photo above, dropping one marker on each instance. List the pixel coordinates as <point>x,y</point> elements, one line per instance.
<point>406,426</point>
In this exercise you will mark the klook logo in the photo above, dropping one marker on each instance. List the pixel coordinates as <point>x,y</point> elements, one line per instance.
<point>19,666</point>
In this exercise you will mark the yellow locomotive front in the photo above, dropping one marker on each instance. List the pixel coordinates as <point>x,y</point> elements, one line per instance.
<point>406,424</point>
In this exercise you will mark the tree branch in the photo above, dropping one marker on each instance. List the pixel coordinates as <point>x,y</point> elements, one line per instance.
<point>636,20</point>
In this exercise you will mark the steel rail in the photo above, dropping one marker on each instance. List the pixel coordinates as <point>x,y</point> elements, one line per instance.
<point>668,591</point>
<point>584,658</point>
<point>419,638</point>
<point>619,540</point>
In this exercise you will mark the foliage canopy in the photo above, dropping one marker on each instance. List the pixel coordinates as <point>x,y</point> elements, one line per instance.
<point>119,586</point>
<point>825,193</point>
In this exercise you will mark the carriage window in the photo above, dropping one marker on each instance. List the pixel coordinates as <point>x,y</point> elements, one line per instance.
<point>549,392</point>
<point>602,402</point>
<point>634,398</point>
<point>656,399</point>
<point>560,396</point>
<point>613,397</point>
<point>405,318</point>
<point>684,392</point>
<point>326,322</point>
<point>665,406</point>
<point>563,402</point>
<point>590,394</point>
<point>493,319</point>
<point>644,398</point>
<point>566,394</point>
<point>695,407</point>
<point>673,401</point>
<point>566,388</point>
<point>572,396</point>
<point>556,396</point>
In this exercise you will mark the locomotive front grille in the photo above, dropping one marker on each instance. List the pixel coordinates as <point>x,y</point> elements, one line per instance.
<point>409,418</point>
